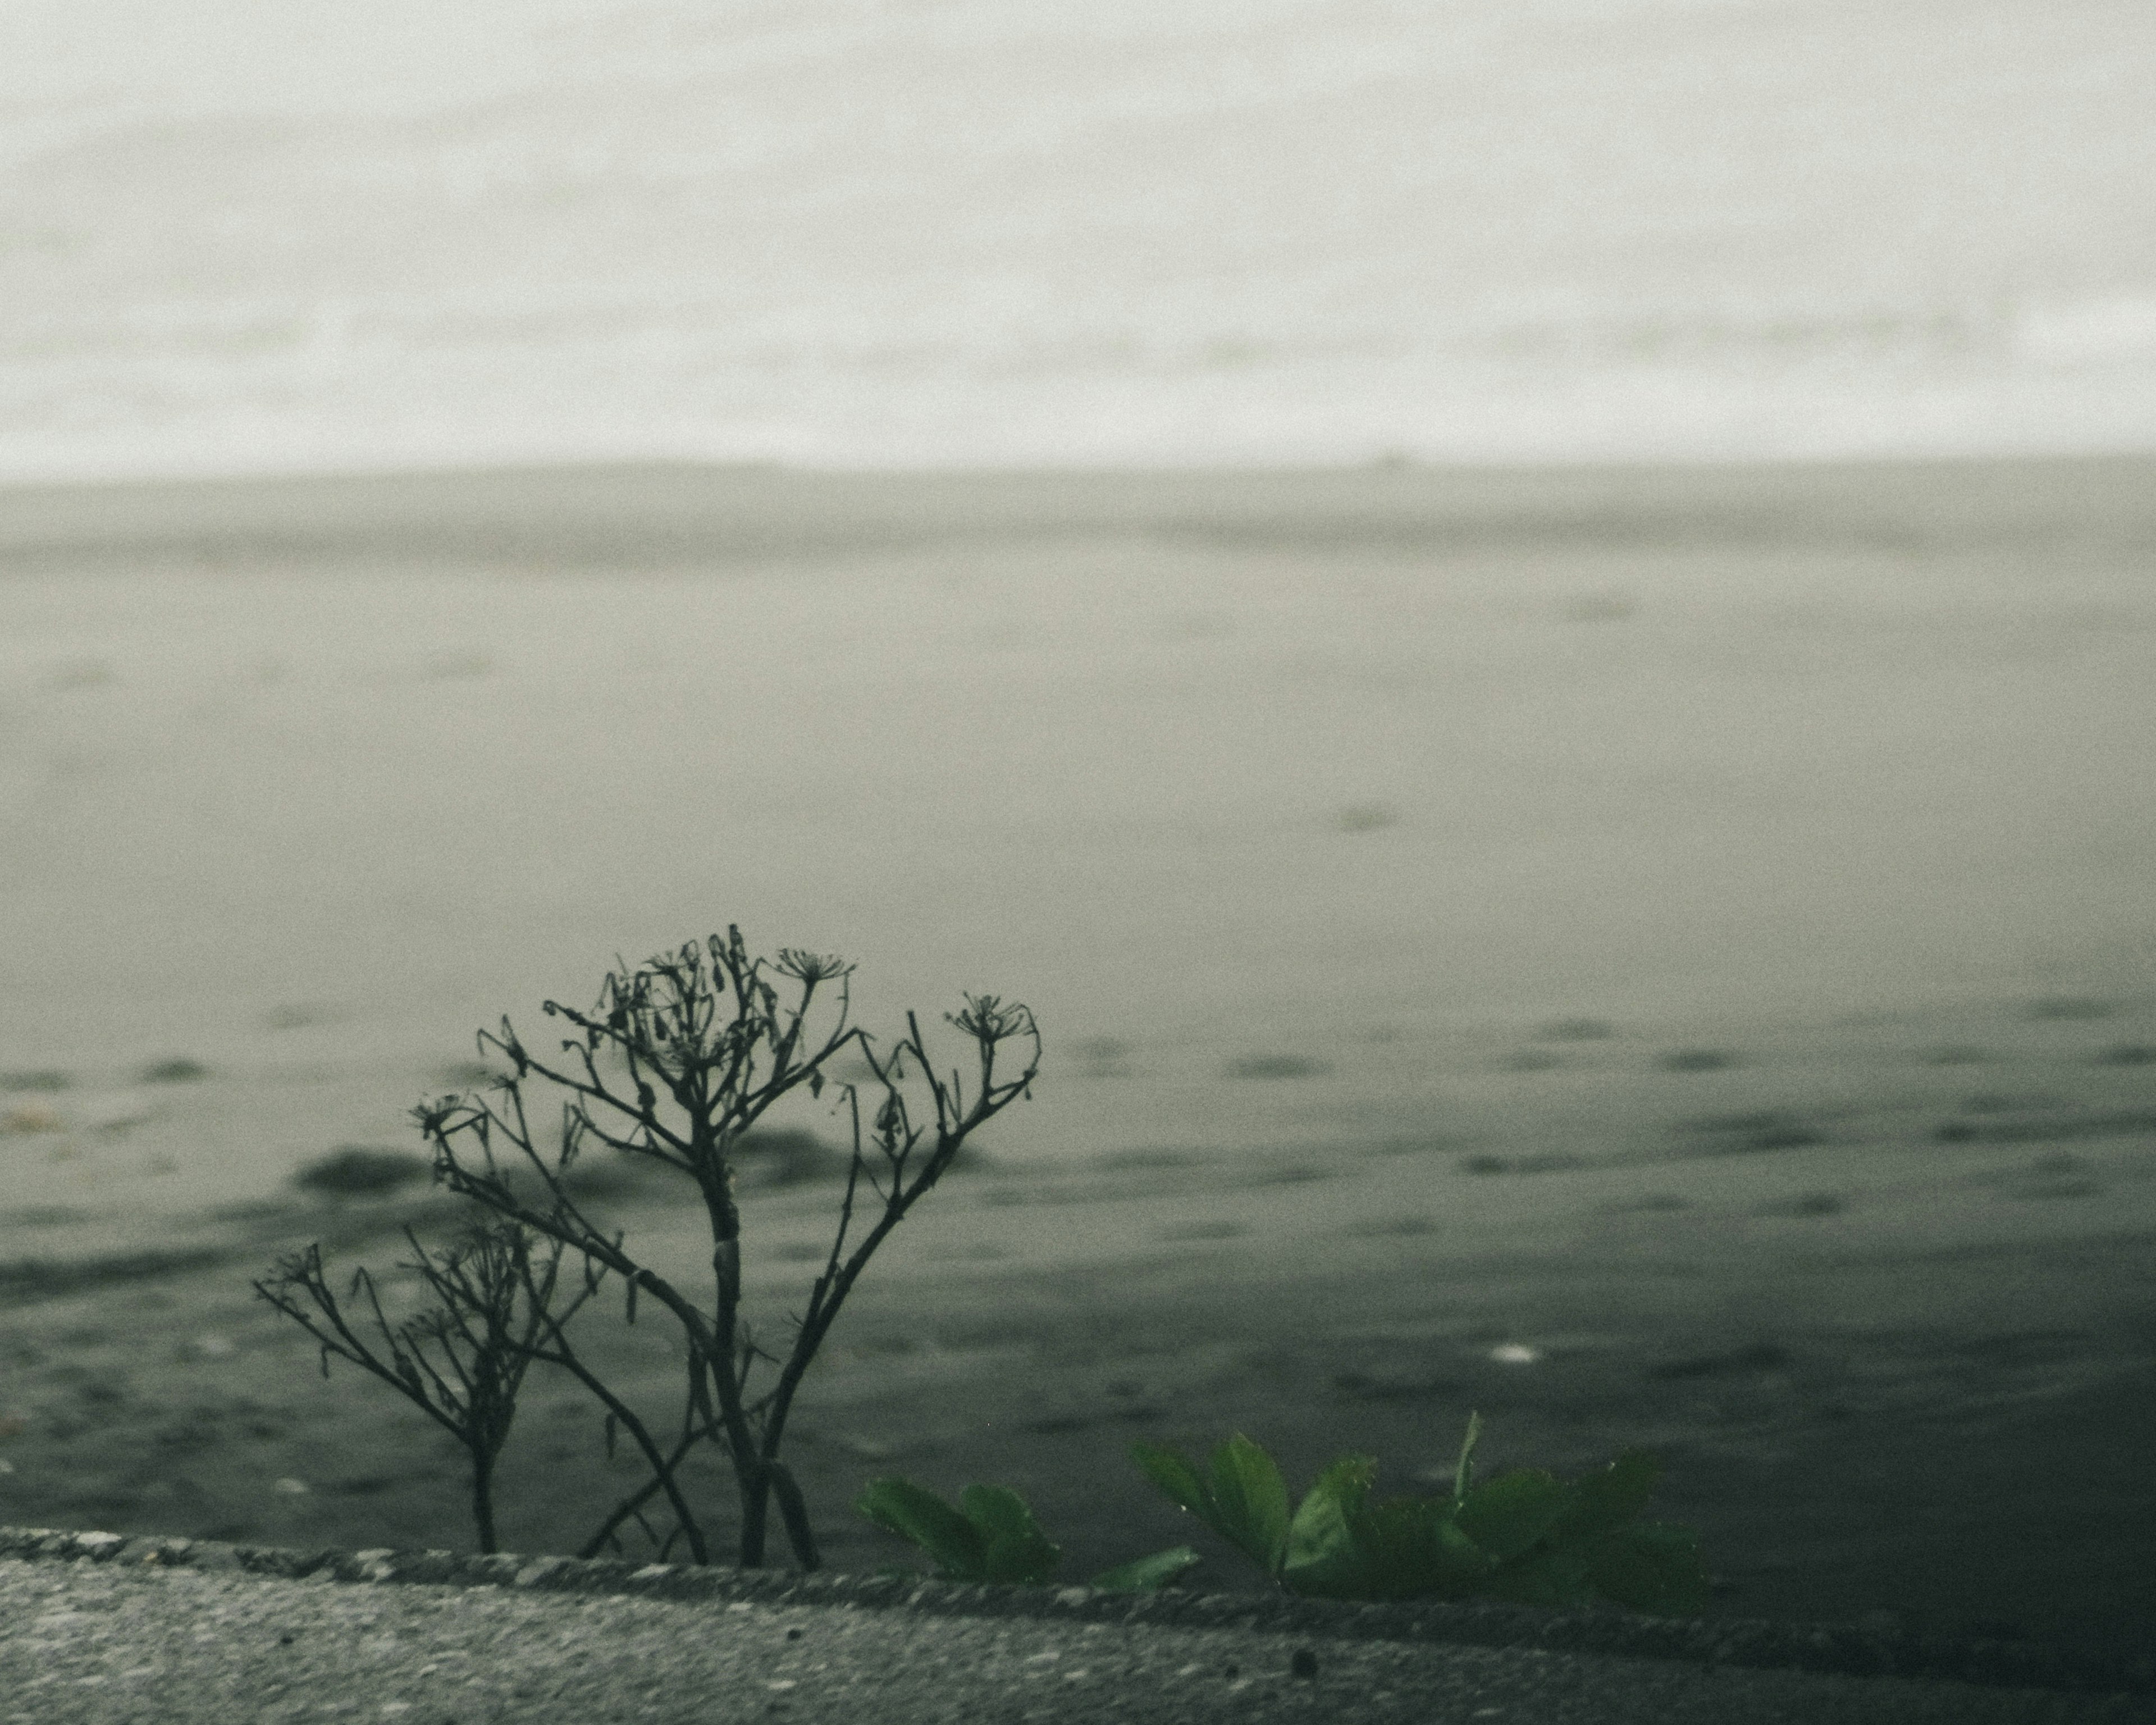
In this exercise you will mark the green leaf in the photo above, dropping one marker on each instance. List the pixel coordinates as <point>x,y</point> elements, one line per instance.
<point>1013,1548</point>
<point>1141,1575</point>
<point>1653,1567</point>
<point>1543,1577</point>
<point>1410,1548</point>
<point>1167,1469</point>
<point>1524,1535</point>
<point>1319,1530</point>
<point>1508,1515</point>
<point>1321,1560</point>
<point>1250,1499</point>
<point>1605,1500</point>
<point>919,1515</point>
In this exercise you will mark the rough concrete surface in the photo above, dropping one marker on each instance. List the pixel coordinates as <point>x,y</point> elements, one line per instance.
<point>99,1630</point>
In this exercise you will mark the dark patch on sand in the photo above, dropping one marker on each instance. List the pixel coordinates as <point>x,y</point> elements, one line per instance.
<point>603,1174</point>
<point>40,1080</point>
<point>1366,817</point>
<point>2126,1053</point>
<point>40,1278</point>
<point>789,1155</point>
<point>304,1015</point>
<point>1385,1227</point>
<point>1146,1161</point>
<point>1754,1130</point>
<point>1696,1059</point>
<point>2070,1006</point>
<point>1277,1066</point>
<point>180,1071</point>
<point>1102,1057</point>
<point>2110,1124</point>
<point>361,1171</point>
<point>1578,1030</point>
<point>1530,1060</point>
<point>1550,1163</point>
<point>50,1215</point>
<point>1807,1204</point>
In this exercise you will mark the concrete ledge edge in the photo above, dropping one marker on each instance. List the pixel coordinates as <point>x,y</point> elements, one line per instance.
<point>1847,1650</point>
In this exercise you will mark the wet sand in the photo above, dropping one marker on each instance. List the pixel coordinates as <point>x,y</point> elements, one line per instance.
<point>1694,928</point>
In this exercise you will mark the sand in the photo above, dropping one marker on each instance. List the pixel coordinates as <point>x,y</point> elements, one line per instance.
<point>1691,929</point>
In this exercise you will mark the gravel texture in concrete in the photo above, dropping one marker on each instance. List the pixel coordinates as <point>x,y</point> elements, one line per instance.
<point>100,1629</point>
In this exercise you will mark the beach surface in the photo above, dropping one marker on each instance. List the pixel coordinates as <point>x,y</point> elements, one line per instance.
<point>1657,957</point>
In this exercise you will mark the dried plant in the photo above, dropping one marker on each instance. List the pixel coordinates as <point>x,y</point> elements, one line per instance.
<point>494,1307</point>
<point>678,1060</point>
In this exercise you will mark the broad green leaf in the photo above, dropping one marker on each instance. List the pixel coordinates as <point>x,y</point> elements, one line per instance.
<point>1167,1469</point>
<point>1141,1575</point>
<point>919,1516</point>
<point>1013,1548</point>
<point>1410,1548</point>
<point>1508,1515</point>
<point>1457,1566</point>
<point>1319,1531</point>
<point>1323,1560</point>
<point>1344,1573</point>
<point>1650,1566</point>
<point>1608,1498</point>
<point>1250,1499</point>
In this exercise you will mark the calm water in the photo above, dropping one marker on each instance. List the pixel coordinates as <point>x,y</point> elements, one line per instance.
<point>235,235</point>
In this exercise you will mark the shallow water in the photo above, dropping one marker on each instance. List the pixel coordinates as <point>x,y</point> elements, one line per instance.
<point>846,232</point>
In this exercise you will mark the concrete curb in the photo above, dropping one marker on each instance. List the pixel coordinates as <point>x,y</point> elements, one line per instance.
<point>1845,1649</point>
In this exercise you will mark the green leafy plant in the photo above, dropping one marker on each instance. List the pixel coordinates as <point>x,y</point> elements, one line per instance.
<point>673,1068</point>
<point>1522,1535</point>
<point>991,1536</point>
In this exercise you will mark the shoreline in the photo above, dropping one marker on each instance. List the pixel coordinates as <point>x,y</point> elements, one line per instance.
<point>656,513</point>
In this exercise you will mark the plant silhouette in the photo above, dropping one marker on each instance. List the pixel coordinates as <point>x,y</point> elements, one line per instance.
<point>674,1065</point>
